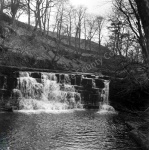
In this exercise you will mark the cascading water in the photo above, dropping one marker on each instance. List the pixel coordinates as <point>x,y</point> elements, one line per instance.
<point>44,93</point>
<point>104,107</point>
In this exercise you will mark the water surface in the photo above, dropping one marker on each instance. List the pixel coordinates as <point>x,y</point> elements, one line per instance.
<point>66,130</point>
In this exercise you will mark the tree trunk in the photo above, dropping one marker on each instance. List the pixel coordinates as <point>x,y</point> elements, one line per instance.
<point>76,40</point>
<point>90,44</point>
<point>70,33</point>
<point>79,38</point>
<point>48,17</point>
<point>1,6</point>
<point>85,36</point>
<point>13,19</point>
<point>29,14</point>
<point>143,10</point>
<point>99,43</point>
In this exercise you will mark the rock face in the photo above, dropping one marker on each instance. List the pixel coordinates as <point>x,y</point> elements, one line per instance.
<point>140,130</point>
<point>141,137</point>
<point>30,84</point>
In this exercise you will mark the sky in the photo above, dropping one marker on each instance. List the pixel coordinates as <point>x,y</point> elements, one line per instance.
<point>99,7</point>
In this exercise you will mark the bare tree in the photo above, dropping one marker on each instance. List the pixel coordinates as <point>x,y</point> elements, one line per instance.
<point>39,8</point>
<point>48,15</point>
<point>85,31</point>
<point>132,17</point>
<point>59,30</point>
<point>79,15</point>
<point>15,8</point>
<point>143,10</point>
<point>70,12</point>
<point>122,38</point>
<point>100,23</point>
<point>91,29</point>
<point>28,11</point>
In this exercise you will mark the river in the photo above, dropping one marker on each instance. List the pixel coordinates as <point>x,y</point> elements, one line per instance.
<point>64,130</point>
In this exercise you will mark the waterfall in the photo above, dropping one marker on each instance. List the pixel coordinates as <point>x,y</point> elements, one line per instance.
<point>56,91</point>
<point>44,92</point>
<point>105,107</point>
<point>105,92</point>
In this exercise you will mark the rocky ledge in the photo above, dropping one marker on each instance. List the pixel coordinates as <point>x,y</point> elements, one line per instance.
<point>139,129</point>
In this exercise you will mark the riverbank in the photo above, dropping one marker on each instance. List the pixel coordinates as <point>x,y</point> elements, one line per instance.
<point>139,128</point>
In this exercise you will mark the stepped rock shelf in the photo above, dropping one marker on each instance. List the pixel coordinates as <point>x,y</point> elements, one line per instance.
<point>70,89</point>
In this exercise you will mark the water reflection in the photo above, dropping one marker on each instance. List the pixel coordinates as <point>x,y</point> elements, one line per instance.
<point>74,130</point>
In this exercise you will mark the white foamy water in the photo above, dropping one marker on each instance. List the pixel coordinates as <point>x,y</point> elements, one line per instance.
<point>44,93</point>
<point>104,107</point>
<point>48,111</point>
